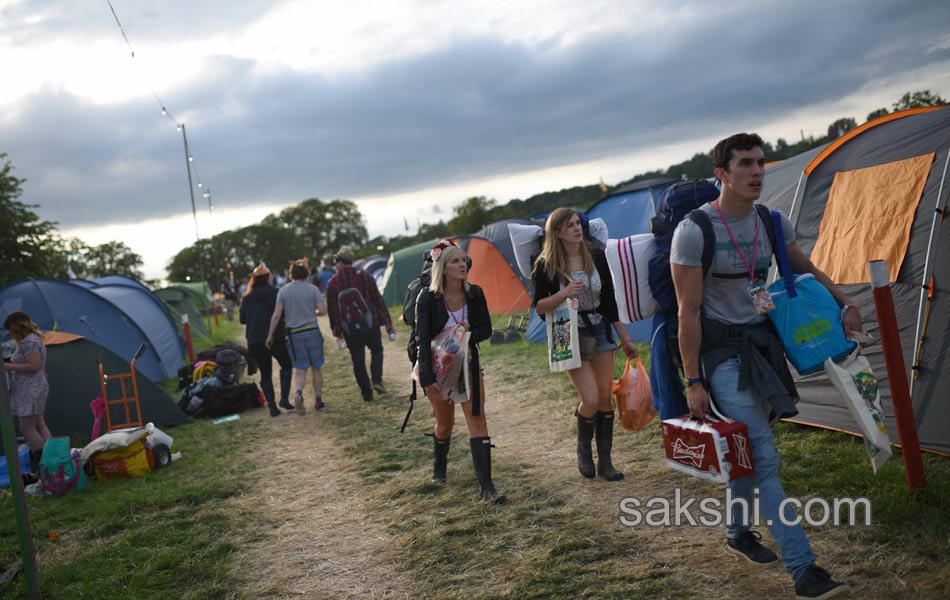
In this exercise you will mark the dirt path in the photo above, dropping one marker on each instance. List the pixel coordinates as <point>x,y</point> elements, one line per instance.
<point>311,533</point>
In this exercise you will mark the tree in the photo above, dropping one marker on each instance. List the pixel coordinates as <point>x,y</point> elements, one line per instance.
<point>323,226</point>
<point>877,114</point>
<point>841,127</point>
<point>471,215</point>
<point>112,258</point>
<point>919,99</point>
<point>27,243</point>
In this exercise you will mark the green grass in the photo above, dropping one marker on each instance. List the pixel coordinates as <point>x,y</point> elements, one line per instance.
<point>164,535</point>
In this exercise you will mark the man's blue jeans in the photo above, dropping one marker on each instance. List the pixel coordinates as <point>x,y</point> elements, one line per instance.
<point>745,407</point>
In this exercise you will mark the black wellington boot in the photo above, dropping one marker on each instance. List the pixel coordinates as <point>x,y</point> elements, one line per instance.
<point>481,458</point>
<point>267,388</point>
<point>585,434</point>
<point>604,429</point>
<point>441,452</point>
<point>285,377</point>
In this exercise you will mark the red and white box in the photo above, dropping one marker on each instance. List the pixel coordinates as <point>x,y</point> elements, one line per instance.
<point>713,449</point>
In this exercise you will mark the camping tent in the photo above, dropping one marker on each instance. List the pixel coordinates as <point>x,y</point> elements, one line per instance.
<point>403,266</point>
<point>73,376</point>
<point>59,306</point>
<point>180,303</point>
<point>504,289</point>
<point>152,315</point>
<point>497,233</point>
<point>199,292</point>
<point>375,265</point>
<point>880,191</point>
<point>627,211</point>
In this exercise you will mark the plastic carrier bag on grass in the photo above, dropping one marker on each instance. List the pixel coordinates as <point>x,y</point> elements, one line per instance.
<point>634,397</point>
<point>858,386</point>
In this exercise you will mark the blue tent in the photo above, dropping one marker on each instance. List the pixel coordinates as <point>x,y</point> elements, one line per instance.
<point>60,306</point>
<point>148,312</point>
<point>627,211</point>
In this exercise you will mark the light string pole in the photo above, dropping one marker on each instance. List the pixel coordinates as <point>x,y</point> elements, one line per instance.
<point>194,212</point>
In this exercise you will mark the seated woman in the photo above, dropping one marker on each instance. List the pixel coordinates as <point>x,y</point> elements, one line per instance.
<point>570,268</point>
<point>450,303</point>
<point>29,387</point>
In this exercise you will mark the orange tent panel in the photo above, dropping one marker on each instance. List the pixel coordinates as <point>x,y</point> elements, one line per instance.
<point>868,217</point>
<point>503,289</point>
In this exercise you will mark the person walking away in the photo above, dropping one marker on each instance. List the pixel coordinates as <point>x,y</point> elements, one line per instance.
<point>300,303</point>
<point>230,296</point>
<point>449,303</point>
<point>357,311</point>
<point>29,387</point>
<point>257,307</point>
<point>732,354</point>
<point>569,267</point>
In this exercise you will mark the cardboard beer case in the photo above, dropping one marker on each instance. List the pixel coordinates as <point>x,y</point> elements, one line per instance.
<point>713,449</point>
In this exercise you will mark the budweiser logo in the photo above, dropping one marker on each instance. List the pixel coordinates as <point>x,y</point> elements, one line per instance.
<point>682,451</point>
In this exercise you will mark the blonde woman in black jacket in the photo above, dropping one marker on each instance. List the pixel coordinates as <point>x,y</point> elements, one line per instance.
<point>569,267</point>
<point>450,301</point>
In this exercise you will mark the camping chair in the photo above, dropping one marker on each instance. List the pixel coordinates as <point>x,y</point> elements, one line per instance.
<point>128,400</point>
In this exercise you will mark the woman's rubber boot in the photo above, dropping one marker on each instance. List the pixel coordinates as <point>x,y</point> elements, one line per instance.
<point>441,452</point>
<point>604,429</point>
<point>267,388</point>
<point>481,458</point>
<point>585,434</point>
<point>285,376</point>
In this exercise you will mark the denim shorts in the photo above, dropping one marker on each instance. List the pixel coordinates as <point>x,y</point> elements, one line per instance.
<point>305,348</point>
<point>603,345</point>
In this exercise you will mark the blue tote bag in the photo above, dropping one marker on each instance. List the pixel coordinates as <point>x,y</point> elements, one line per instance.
<point>806,315</point>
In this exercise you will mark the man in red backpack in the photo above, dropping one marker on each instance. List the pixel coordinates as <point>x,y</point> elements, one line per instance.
<point>357,311</point>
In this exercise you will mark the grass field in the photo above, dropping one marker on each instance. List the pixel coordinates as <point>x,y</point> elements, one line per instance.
<point>207,528</point>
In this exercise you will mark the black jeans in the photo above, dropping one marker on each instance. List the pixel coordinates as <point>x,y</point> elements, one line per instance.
<point>265,361</point>
<point>357,344</point>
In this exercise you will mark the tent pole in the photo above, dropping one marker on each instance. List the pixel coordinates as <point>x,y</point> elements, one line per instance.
<point>773,270</point>
<point>938,216</point>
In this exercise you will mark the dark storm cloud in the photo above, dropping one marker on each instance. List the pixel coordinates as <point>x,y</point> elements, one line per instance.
<point>476,109</point>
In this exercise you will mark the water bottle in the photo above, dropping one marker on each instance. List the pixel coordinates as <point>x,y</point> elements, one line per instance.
<point>392,336</point>
<point>341,344</point>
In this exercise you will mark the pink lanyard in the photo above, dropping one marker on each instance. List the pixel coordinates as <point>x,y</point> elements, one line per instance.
<point>755,242</point>
<point>452,314</point>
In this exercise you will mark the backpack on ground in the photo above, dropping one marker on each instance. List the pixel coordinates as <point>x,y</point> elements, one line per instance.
<point>356,318</point>
<point>679,201</point>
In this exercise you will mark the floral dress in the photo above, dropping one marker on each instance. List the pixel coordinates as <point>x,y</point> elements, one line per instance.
<point>28,391</point>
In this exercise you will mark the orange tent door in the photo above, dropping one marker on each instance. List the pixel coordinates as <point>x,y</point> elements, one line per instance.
<point>503,289</point>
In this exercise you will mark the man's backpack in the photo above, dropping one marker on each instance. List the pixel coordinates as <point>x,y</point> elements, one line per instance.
<point>356,318</point>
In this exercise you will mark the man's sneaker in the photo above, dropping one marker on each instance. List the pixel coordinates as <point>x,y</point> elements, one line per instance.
<point>319,406</point>
<point>748,547</point>
<point>379,389</point>
<point>816,584</point>
<point>298,403</point>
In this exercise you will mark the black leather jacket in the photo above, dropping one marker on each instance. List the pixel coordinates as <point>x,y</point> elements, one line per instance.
<point>431,317</point>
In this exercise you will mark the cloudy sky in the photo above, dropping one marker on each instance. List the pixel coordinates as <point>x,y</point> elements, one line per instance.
<point>410,106</point>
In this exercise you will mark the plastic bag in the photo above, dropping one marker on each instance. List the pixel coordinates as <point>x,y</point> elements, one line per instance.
<point>449,362</point>
<point>858,386</point>
<point>634,397</point>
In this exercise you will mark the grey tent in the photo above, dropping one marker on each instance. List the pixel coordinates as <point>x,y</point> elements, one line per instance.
<point>895,166</point>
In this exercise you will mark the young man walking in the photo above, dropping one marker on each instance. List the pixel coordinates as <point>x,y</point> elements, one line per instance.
<point>357,311</point>
<point>301,303</point>
<point>722,335</point>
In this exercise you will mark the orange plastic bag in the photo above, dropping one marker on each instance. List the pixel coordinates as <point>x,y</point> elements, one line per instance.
<point>634,397</point>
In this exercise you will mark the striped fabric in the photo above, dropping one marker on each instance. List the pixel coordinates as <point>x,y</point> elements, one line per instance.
<point>629,259</point>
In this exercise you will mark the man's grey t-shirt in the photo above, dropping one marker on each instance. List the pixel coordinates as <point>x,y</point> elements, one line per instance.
<point>727,300</point>
<point>299,300</point>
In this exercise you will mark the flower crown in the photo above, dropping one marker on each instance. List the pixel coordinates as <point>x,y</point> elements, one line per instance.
<point>436,251</point>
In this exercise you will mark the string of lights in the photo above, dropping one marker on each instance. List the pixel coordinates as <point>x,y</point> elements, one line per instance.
<point>179,126</point>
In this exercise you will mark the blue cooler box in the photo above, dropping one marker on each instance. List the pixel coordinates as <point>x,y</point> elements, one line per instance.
<point>24,465</point>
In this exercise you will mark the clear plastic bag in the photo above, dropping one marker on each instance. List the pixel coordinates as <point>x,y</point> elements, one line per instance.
<point>634,397</point>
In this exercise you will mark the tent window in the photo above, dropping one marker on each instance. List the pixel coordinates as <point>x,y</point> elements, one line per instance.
<point>868,217</point>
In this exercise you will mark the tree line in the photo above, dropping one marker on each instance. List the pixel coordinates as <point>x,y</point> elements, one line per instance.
<point>33,247</point>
